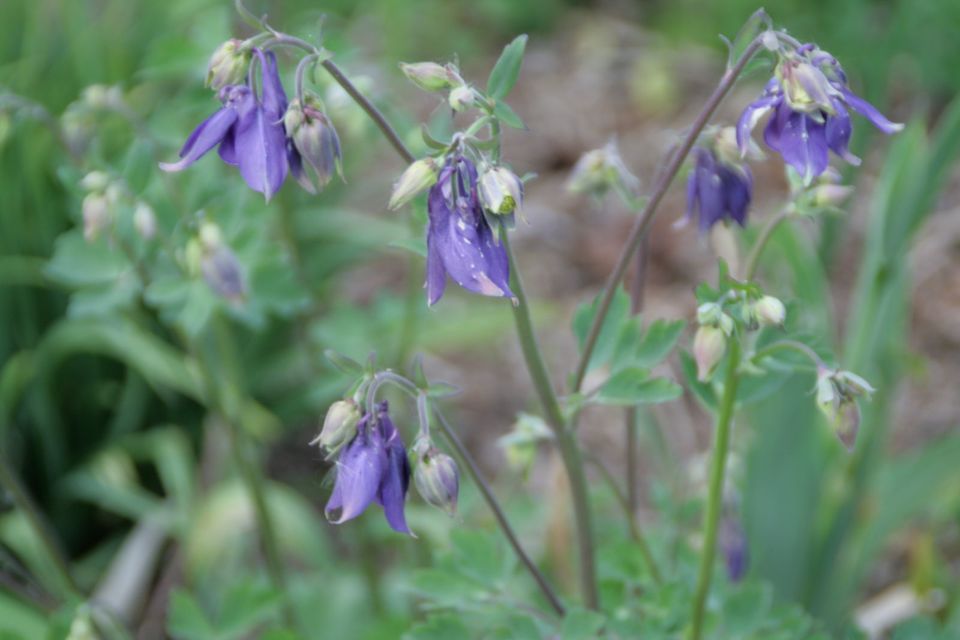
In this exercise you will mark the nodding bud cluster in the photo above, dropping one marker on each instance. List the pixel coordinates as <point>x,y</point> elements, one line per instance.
<point>228,64</point>
<point>417,178</point>
<point>145,221</point>
<point>600,170</point>
<point>501,191</point>
<point>314,137</point>
<point>220,267</point>
<point>837,393</point>
<point>710,340</point>
<point>339,426</point>
<point>431,76</point>
<point>436,477</point>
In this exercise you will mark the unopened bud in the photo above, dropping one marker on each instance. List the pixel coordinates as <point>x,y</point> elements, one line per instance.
<point>419,176</point>
<point>228,65</point>
<point>144,221</point>
<point>438,480</point>
<point>836,398</point>
<point>210,237</point>
<point>831,195</point>
<point>846,424</point>
<point>96,215</point>
<point>769,312</point>
<point>462,98</point>
<point>314,137</point>
<point>500,190</point>
<point>95,181</point>
<point>853,384</point>
<point>101,96</point>
<point>709,345</point>
<point>220,267</point>
<point>339,426</point>
<point>431,76</point>
<point>600,170</point>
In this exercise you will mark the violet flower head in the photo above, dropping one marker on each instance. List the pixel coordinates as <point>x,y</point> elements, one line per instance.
<point>810,101</point>
<point>720,186</point>
<point>460,241</point>
<point>373,468</point>
<point>249,131</point>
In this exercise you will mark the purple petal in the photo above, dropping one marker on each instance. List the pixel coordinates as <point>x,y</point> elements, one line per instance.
<point>692,202</point>
<point>838,132</point>
<point>228,148</point>
<point>205,137</point>
<point>770,98</point>
<point>396,478</point>
<point>709,191</point>
<point>737,188</point>
<point>360,470</point>
<point>459,240</point>
<point>295,162</point>
<point>261,149</point>
<point>801,141</point>
<point>870,112</point>
<point>274,100</point>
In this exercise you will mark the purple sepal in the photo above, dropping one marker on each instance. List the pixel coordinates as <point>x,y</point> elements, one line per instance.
<point>717,191</point>
<point>360,470</point>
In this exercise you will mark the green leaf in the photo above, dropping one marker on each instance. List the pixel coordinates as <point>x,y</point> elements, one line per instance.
<point>508,116</point>
<point>443,626</point>
<point>77,263</point>
<point>609,331</point>
<point>479,555</point>
<point>446,588</point>
<point>580,624</point>
<point>343,363</point>
<point>633,386</point>
<point>658,341</point>
<point>245,606</point>
<point>507,69</point>
<point>139,166</point>
<point>186,620</point>
<point>416,245</point>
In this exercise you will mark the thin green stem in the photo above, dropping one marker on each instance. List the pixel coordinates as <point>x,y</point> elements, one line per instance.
<point>636,534</point>
<point>565,437</point>
<point>718,466</point>
<point>646,216</point>
<point>491,499</point>
<point>791,345</point>
<point>753,261</point>
<point>41,529</point>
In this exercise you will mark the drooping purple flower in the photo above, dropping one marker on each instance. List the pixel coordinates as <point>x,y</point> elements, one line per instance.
<point>372,467</point>
<point>810,101</point>
<point>249,131</point>
<point>718,190</point>
<point>460,241</point>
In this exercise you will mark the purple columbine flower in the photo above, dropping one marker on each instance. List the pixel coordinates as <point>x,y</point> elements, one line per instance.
<point>460,241</point>
<point>373,467</point>
<point>720,186</point>
<point>810,102</point>
<point>249,131</point>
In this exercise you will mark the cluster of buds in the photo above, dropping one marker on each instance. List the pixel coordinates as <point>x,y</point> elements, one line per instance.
<point>102,201</point>
<point>315,138</point>
<point>837,393</point>
<point>601,170</point>
<point>434,77</point>
<point>436,476</point>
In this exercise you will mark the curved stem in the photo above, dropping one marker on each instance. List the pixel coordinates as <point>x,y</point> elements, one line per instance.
<point>753,261</point>
<point>643,220</point>
<point>718,465</point>
<point>41,528</point>
<point>487,492</point>
<point>635,533</point>
<point>565,437</point>
<point>793,345</point>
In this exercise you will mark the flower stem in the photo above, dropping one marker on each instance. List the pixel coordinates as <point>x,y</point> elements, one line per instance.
<point>753,261</point>
<point>498,513</point>
<point>718,465</point>
<point>793,345</point>
<point>643,220</point>
<point>41,529</point>
<point>631,413</point>
<point>565,437</point>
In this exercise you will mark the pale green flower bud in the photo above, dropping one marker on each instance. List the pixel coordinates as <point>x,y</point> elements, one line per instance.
<point>95,181</point>
<point>339,426</point>
<point>145,221</point>
<point>228,65</point>
<point>437,479</point>
<point>500,191</point>
<point>418,177</point>
<point>97,215</point>
<point>600,170</point>
<point>709,345</point>
<point>830,195</point>
<point>431,76</point>
<point>769,312</point>
<point>462,98</point>
<point>101,96</point>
